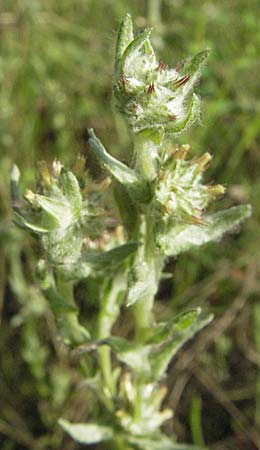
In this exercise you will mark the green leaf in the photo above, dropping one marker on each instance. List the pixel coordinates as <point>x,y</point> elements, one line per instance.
<point>125,37</point>
<point>181,238</point>
<point>135,357</point>
<point>182,329</point>
<point>152,358</point>
<point>133,50</point>
<point>33,222</point>
<point>71,191</point>
<point>192,117</point>
<point>178,324</point>
<point>59,209</point>
<point>111,258</point>
<point>141,283</point>
<point>87,433</point>
<point>193,67</point>
<point>100,263</point>
<point>136,187</point>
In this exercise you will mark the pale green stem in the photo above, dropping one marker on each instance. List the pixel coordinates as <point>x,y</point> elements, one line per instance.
<point>143,309</point>
<point>146,153</point>
<point>109,310</point>
<point>146,157</point>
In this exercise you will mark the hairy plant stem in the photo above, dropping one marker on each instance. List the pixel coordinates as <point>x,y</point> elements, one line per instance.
<point>146,154</point>
<point>145,164</point>
<point>109,310</point>
<point>146,151</point>
<point>143,309</point>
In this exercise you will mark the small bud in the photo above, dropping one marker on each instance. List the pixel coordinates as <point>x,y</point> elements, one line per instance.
<point>15,174</point>
<point>56,168</point>
<point>45,177</point>
<point>182,152</point>
<point>30,197</point>
<point>203,162</point>
<point>195,220</point>
<point>79,167</point>
<point>216,190</point>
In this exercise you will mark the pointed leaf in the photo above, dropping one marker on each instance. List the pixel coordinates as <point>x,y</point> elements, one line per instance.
<point>112,257</point>
<point>94,263</point>
<point>36,224</point>
<point>180,333</point>
<point>125,37</point>
<point>180,323</point>
<point>151,359</point>
<point>141,284</point>
<point>58,209</point>
<point>136,187</point>
<point>133,49</point>
<point>184,237</point>
<point>71,191</point>
<point>87,433</point>
<point>193,67</point>
<point>192,117</point>
<point>134,356</point>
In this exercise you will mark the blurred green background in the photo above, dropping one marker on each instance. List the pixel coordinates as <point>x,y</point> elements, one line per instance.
<point>56,64</point>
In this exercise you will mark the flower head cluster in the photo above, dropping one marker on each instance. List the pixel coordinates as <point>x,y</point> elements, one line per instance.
<point>180,192</point>
<point>147,92</point>
<point>150,416</point>
<point>57,213</point>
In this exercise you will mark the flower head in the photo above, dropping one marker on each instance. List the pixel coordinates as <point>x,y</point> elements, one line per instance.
<point>148,93</point>
<point>180,192</point>
<point>57,212</point>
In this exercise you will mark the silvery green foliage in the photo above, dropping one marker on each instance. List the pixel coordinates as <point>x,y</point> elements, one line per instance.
<point>87,433</point>
<point>168,200</point>
<point>162,201</point>
<point>180,237</point>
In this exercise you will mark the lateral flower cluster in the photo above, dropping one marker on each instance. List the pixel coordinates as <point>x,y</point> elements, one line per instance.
<point>179,189</point>
<point>54,213</point>
<point>57,213</point>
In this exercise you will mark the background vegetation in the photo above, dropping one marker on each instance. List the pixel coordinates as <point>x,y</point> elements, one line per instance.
<point>56,60</point>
